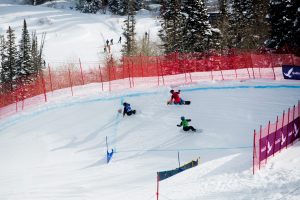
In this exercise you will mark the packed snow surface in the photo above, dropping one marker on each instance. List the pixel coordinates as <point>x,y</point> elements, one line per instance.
<point>58,150</point>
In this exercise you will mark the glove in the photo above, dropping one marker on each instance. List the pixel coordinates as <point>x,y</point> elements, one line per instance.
<point>179,90</point>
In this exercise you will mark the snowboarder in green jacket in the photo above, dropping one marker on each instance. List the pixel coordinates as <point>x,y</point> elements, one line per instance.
<point>185,124</point>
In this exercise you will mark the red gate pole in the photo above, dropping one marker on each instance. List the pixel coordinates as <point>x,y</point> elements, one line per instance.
<point>50,78</point>
<point>82,81</point>
<point>157,187</point>
<point>275,135</point>
<point>267,142</point>
<point>287,129</point>
<point>253,163</point>
<point>70,80</point>
<point>293,132</point>
<point>283,115</point>
<point>259,146</point>
<point>101,79</point>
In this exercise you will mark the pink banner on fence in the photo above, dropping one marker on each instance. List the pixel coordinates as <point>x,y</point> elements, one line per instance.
<point>276,136</point>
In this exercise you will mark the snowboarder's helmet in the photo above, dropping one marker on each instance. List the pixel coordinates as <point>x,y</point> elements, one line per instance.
<point>124,103</point>
<point>171,91</point>
<point>182,118</point>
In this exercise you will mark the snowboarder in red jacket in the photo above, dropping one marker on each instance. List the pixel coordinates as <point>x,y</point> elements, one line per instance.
<point>175,97</point>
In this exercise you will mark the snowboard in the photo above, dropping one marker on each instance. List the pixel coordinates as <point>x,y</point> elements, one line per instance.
<point>190,131</point>
<point>184,103</point>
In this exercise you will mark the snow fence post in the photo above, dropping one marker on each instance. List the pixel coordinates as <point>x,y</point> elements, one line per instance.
<point>82,81</point>
<point>157,71</point>
<point>283,115</point>
<point>248,73</point>
<point>101,79</point>
<point>275,135</point>
<point>70,80</point>
<point>50,77</point>
<point>157,186</point>
<point>162,74</point>
<point>253,161</point>
<point>44,87</point>
<point>259,145</point>
<point>287,129</point>
<point>141,59</point>
<point>132,77</point>
<point>267,142</point>
<point>293,132</point>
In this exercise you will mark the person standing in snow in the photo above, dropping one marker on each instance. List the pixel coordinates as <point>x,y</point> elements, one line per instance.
<point>185,124</point>
<point>127,109</point>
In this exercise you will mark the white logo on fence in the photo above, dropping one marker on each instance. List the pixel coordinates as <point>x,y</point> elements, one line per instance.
<point>269,148</point>
<point>296,130</point>
<point>282,138</point>
<point>289,74</point>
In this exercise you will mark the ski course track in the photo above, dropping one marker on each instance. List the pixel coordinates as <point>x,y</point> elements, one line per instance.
<point>15,119</point>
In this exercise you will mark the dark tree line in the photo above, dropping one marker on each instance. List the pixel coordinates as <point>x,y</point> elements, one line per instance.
<point>20,64</point>
<point>118,7</point>
<point>241,24</point>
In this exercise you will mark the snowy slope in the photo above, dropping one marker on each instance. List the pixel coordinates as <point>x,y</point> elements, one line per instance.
<point>71,35</point>
<point>57,151</point>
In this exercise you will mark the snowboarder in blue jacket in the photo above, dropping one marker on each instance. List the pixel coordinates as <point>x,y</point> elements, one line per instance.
<point>127,109</point>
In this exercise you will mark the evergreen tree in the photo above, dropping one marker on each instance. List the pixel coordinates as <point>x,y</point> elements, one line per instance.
<point>3,57</point>
<point>284,19</point>
<point>172,26</point>
<point>89,6</point>
<point>243,21</point>
<point>37,54</point>
<point>129,47</point>
<point>197,31</point>
<point>115,6</point>
<point>10,65</point>
<point>24,68</point>
<point>223,24</point>
<point>261,8</point>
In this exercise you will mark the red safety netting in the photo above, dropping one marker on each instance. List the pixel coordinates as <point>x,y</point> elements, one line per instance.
<point>144,71</point>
